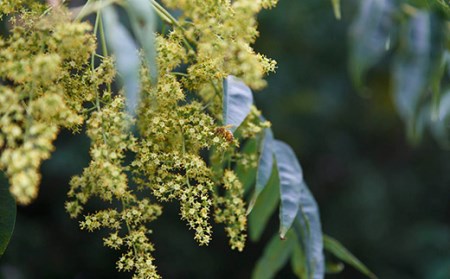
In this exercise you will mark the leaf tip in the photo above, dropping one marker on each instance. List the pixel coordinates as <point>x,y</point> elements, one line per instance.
<point>283,232</point>
<point>252,202</point>
<point>336,9</point>
<point>250,207</point>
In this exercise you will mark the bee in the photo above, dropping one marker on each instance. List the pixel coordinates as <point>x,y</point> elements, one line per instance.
<point>225,132</point>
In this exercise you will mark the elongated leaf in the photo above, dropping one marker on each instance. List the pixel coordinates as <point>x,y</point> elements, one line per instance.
<point>275,256</point>
<point>291,184</point>
<point>336,8</point>
<point>7,217</point>
<point>419,60</point>
<point>439,58</point>
<point>444,6</point>
<point>265,206</point>
<point>237,101</point>
<point>92,7</point>
<point>338,250</point>
<point>411,67</point>
<point>143,22</point>
<point>265,165</point>
<point>369,35</point>
<point>436,85</point>
<point>309,232</point>
<point>441,126</point>
<point>421,121</point>
<point>127,57</point>
<point>298,261</point>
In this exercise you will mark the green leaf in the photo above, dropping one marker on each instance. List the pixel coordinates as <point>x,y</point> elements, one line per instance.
<point>444,6</point>
<point>309,233</point>
<point>237,101</point>
<point>7,217</point>
<point>143,23</point>
<point>338,250</point>
<point>419,59</point>
<point>369,36</point>
<point>291,184</point>
<point>441,126</point>
<point>92,7</point>
<point>265,206</point>
<point>298,261</point>
<point>336,8</point>
<point>334,268</point>
<point>439,59</point>
<point>410,69</point>
<point>275,256</point>
<point>127,57</point>
<point>421,121</point>
<point>265,166</point>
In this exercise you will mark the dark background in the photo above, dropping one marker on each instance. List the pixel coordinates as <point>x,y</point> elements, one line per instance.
<point>385,200</point>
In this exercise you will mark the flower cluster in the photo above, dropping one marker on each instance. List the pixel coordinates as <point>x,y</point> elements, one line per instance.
<point>175,149</point>
<point>221,32</point>
<point>171,53</point>
<point>253,125</point>
<point>14,6</point>
<point>168,161</point>
<point>34,99</point>
<point>106,178</point>
<point>230,210</point>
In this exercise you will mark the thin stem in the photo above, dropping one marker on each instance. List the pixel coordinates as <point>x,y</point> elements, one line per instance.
<point>80,15</point>
<point>103,37</point>
<point>103,42</point>
<point>183,141</point>
<point>99,56</point>
<point>183,150</point>
<point>97,19</point>
<point>89,7</point>
<point>162,16</point>
<point>49,9</point>
<point>164,28</point>
<point>124,206</point>
<point>94,107</point>
<point>207,105</point>
<point>98,25</point>
<point>166,16</point>
<point>180,74</point>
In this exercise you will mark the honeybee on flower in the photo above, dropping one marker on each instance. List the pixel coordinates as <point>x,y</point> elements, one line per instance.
<point>225,132</point>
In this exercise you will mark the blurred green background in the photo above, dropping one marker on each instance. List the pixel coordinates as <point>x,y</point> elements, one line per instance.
<point>385,200</point>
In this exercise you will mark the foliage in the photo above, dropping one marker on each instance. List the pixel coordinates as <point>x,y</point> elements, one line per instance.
<point>174,132</point>
<point>340,252</point>
<point>176,115</point>
<point>415,37</point>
